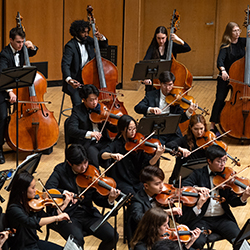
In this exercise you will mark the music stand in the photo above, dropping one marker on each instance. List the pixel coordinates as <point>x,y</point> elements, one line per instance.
<point>163,124</point>
<point>29,165</point>
<point>150,69</point>
<point>14,78</point>
<point>244,234</point>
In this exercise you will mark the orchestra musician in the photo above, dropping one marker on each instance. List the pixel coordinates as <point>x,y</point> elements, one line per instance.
<point>25,221</point>
<point>196,128</point>
<point>158,48</point>
<point>77,52</point>
<point>155,101</point>
<point>82,130</point>
<point>232,48</point>
<point>152,227</point>
<point>82,213</point>
<point>152,178</point>
<point>11,56</point>
<point>127,169</point>
<point>208,213</point>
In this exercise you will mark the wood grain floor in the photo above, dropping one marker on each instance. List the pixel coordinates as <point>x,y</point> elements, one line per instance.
<point>203,92</point>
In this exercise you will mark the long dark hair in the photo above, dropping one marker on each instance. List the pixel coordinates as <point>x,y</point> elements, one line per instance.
<point>154,43</point>
<point>123,123</point>
<point>148,227</point>
<point>197,118</point>
<point>18,193</point>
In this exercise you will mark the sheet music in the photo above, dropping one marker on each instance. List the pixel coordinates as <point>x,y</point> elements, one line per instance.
<point>245,245</point>
<point>71,244</point>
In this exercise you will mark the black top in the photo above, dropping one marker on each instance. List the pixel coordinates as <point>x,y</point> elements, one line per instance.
<point>228,55</point>
<point>25,225</point>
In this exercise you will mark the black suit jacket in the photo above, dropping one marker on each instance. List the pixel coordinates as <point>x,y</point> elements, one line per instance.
<point>63,178</point>
<point>71,61</point>
<point>200,177</point>
<point>7,61</point>
<point>79,123</point>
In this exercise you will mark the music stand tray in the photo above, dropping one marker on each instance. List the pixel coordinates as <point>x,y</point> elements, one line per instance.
<point>150,69</point>
<point>163,124</point>
<point>244,234</point>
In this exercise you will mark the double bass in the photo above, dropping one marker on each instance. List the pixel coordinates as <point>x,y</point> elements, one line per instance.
<point>235,114</point>
<point>37,125</point>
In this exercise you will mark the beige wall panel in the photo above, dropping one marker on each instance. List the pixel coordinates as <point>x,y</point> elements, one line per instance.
<point>42,20</point>
<point>108,15</point>
<point>1,39</point>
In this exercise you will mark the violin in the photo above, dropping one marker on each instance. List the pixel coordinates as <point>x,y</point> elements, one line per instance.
<point>103,185</point>
<point>105,113</point>
<point>187,195</point>
<point>203,142</point>
<point>42,199</point>
<point>11,232</point>
<point>174,96</point>
<point>235,183</point>
<point>149,146</point>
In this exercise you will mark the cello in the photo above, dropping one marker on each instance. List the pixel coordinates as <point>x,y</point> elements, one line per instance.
<point>235,114</point>
<point>37,125</point>
<point>102,73</point>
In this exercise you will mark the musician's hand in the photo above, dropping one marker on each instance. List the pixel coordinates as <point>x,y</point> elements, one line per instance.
<point>224,75</point>
<point>155,111</point>
<point>194,236</point>
<point>177,211</point>
<point>96,135</point>
<point>69,197</point>
<point>245,194</point>
<point>12,97</point>
<point>185,152</point>
<point>147,82</point>
<point>3,237</point>
<point>160,150</point>
<point>29,45</point>
<point>63,216</point>
<point>117,156</point>
<point>114,193</point>
<point>98,34</point>
<point>74,83</point>
<point>176,39</point>
<point>192,107</point>
<point>204,195</point>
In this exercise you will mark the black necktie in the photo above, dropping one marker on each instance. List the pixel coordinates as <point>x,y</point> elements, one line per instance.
<point>217,173</point>
<point>17,52</point>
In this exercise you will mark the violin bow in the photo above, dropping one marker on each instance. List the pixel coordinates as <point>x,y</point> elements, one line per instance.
<point>230,178</point>
<point>209,142</point>
<point>46,190</point>
<point>172,215</point>
<point>178,97</point>
<point>179,193</point>
<point>92,183</point>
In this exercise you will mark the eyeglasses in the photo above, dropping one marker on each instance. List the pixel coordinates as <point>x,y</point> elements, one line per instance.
<point>131,129</point>
<point>222,162</point>
<point>237,31</point>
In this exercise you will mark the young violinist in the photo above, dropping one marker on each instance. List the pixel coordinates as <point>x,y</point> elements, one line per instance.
<point>232,48</point>
<point>155,101</point>
<point>11,56</point>
<point>152,178</point>
<point>26,222</point>
<point>82,213</point>
<point>127,169</point>
<point>196,129</point>
<point>77,52</point>
<point>152,228</point>
<point>158,48</point>
<point>208,213</point>
<point>82,130</point>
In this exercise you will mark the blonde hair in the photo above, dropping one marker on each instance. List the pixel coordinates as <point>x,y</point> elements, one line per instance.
<point>227,35</point>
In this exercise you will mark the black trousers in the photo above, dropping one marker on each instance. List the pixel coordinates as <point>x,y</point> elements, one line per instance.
<point>80,226</point>
<point>221,225</point>
<point>221,94</point>
<point>74,95</point>
<point>3,116</point>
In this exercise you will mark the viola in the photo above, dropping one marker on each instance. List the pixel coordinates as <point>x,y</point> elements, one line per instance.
<point>183,232</point>
<point>183,102</point>
<point>111,116</point>
<point>187,195</point>
<point>103,185</point>
<point>235,183</point>
<point>42,199</point>
<point>203,142</point>
<point>149,146</point>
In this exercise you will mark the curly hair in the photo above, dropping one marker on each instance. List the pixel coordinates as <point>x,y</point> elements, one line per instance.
<point>78,26</point>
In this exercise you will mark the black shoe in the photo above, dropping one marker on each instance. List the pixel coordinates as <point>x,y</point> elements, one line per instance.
<point>2,159</point>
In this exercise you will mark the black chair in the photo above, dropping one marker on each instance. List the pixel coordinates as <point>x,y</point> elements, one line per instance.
<point>62,111</point>
<point>211,239</point>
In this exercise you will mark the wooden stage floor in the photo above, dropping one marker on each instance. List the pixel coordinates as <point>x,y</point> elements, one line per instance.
<point>203,92</point>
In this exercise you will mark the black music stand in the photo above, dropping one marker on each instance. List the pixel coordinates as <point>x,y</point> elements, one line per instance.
<point>14,78</point>
<point>244,234</point>
<point>163,124</point>
<point>150,69</point>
